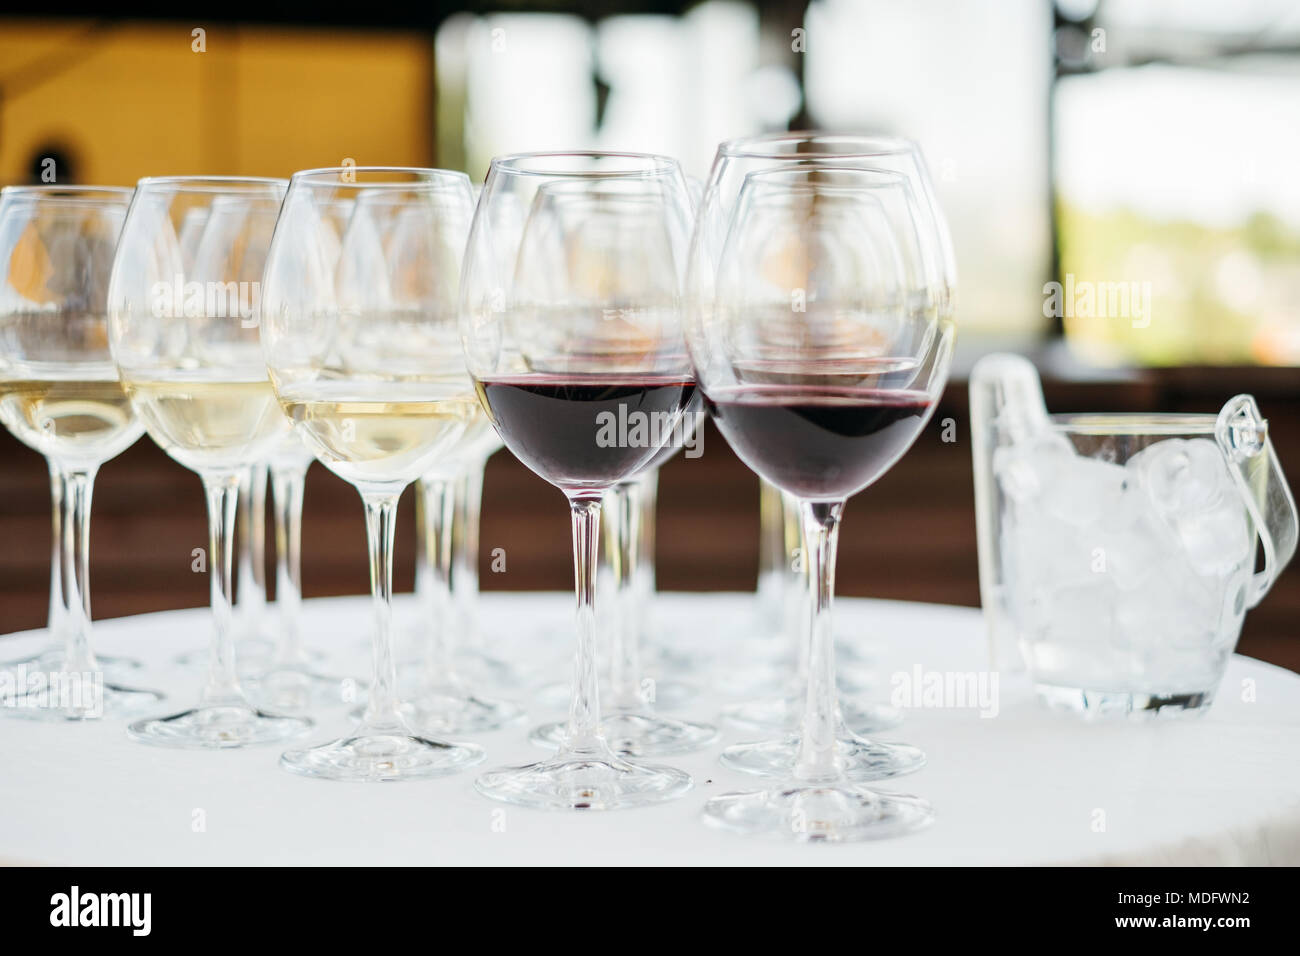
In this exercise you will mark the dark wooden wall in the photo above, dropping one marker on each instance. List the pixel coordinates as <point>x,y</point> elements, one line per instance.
<point>911,536</point>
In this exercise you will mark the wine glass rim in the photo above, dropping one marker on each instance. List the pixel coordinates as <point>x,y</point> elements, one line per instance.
<point>751,147</point>
<point>203,184</point>
<point>82,194</point>
<point>421,175</point>
<point>1134,423</point>
<point>515,163</point>
<point>891,178</point>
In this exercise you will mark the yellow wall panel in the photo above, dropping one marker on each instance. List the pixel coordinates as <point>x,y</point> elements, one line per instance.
<point>132,100</point>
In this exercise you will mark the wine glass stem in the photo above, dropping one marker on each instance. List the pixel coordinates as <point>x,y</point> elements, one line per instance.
<point>438,498</point>
<point>815,761</point>
<point>252,549</point>
<point>381,513</point>
<point>584,708</point>
<point>57,619</point>
<point>287,488</point>
<point>74,577</point>
<point>223,499</point>
<point>464,574</point>
<point>622,511</point>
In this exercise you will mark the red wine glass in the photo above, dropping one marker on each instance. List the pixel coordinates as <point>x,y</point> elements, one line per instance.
<point>820,354</point>
<point>571,317</point>
<point>783,711</point>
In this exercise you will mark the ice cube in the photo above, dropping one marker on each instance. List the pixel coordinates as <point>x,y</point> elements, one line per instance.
<point>1131,551</point>
<point>1040,550</point>
<point>1187,484</point>
<point>1172,609</point>
<point>1085,491</point>
<point>1217,540</point>
<point>1182,475</point>
<point>1024,469</point>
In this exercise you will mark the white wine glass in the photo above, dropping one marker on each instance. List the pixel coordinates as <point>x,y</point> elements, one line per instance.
<point>185,342</point>
<point>60,395</point>
<point>360,341</point>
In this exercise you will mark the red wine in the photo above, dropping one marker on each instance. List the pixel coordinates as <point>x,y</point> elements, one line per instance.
<point>692,426</point>
<point>819,443</point>
<point>587,431</point>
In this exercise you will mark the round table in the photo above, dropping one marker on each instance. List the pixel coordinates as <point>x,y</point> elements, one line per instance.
<point>1019,786</point>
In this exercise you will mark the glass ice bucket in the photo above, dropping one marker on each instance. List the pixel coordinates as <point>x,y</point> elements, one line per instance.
<point>1118,553</point>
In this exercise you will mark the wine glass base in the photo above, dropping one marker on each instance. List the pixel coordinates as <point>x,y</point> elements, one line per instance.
<point>833,813</point>
<point>858,759</point>
<point>584,781</point>
<point>294,690</point>
<point>382,755</point>
<point>451,711</point>
<point>777,714</point>
<point>105,703</point>
<point>636,735</point>
<point>223,726</point>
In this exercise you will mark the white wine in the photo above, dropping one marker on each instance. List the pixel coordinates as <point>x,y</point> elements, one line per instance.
<point>210,425</point>
<point>380,432</point>
<point>85,419</point>
<point>476,442</point>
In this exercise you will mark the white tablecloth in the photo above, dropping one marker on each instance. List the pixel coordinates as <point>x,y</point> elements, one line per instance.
<point>1026,786</point>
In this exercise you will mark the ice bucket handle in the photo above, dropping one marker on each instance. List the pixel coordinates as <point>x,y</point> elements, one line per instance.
<point>1242,434</point>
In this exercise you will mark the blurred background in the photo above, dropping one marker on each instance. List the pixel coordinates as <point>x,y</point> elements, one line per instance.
<point>1142,150</point>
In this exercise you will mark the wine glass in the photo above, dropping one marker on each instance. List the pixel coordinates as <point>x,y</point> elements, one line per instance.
<point>364,357</point>
<point>571,321</point>
<point>445,701</point>
<point>478,653</point>
<point>289,683</point>
<point>821,352</point>
<point>61,396</point>
<point>734,161</point>
<point>184,339</point>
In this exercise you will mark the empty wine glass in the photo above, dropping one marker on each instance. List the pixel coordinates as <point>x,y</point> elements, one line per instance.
<point>290,683</point>
<point>477,652</point>
<point>184,339</point>
<point>360,339</point>
<point>250,569</point>
<point>571,321</point>
<point>60,395</point>
<point>821,349</point>
<point>446,701</point>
